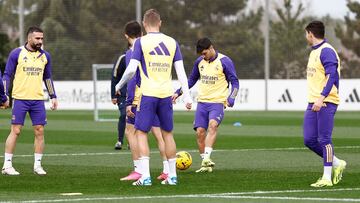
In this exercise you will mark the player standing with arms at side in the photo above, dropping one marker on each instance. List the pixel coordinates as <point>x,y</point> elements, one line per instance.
<point>156,52</point>
<point>119,99</point>
<point>323,73</point>
<point>215,71</point>
<point>132,32</point>
<point>30,65</point>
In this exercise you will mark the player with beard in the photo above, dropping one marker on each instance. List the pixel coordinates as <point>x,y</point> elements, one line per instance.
<point>29,65</point>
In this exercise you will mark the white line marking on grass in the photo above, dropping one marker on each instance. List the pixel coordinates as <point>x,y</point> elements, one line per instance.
<point>71,194</point>
<point>289,191</point>
<point>240,195</point>
<point>291,198</point>
<point>154,151</point>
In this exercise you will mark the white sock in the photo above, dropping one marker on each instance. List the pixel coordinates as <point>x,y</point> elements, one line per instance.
<point>336,161</point>
<point>144,163</point>
<point>8,160</point>
<point>172,167</point>
<point>202,156</point>
<point>136,166</point>
<point>165,167</point>
<point>208,151</point>
<point>327,172</point>
<point>37,160</point>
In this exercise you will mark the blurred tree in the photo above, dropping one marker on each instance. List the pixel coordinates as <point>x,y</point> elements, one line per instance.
<point>349,35</point>
<point>79,33</point>
<point>288,55</point>
<point>5,47</point>
<point>233,32</point>
<point>9,11</point>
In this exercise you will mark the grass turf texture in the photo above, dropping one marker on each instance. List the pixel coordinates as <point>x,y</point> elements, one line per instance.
<point>265,154</point>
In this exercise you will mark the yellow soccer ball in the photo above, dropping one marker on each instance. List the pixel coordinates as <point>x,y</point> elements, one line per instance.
<point>183,160</point>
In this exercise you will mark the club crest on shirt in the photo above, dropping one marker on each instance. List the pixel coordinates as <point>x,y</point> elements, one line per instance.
<point>316,58</point>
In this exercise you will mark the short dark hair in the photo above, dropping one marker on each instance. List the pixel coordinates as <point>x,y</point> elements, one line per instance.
<point>202,44</point>
<point>33,29</point>
<point>317,28</point>
<point>133,29</point>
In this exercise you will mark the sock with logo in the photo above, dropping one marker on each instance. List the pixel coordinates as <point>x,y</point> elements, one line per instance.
<point>8,160</point>
<point>207,153</point>
<point>37,160</point>
<point>136,166</point>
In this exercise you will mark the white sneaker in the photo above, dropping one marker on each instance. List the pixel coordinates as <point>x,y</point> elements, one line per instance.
<point>10,171</point>
<point>169,181</point>
<point>118,145</point>
<point>144,182</point>
<point>39,171</point>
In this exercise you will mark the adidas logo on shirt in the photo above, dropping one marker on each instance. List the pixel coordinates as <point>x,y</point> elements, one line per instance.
<point>285,97</point>
<point>353,97</point>
<point>160,50</point>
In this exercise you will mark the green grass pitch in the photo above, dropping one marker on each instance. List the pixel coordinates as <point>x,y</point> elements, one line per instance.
<point>264,160</point>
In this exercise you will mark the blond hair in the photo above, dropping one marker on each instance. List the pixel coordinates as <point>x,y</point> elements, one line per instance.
<point>152,17</point>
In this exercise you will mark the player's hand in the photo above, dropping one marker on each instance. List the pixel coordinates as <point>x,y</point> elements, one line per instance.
<point>54,104</point>
<point>188,106</point>
<point>117,89</point>
<point>318,104</point>
<point>6,104</point>
<point>230,102</point>
<point>114,101</point>
<point>174,97</point>
<point>188,102</point>
<point>129,113</point>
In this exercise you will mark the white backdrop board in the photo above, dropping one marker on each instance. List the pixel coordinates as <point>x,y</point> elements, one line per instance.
<point>282,95</point>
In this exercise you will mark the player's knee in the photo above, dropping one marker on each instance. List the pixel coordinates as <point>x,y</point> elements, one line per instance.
<point>122,117</point>
<point>200,132</point>
<point>127,132</point>
<point>39,131</point>
<point>213,126</point>
<point>16,131</point>
<point>309,142</point>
